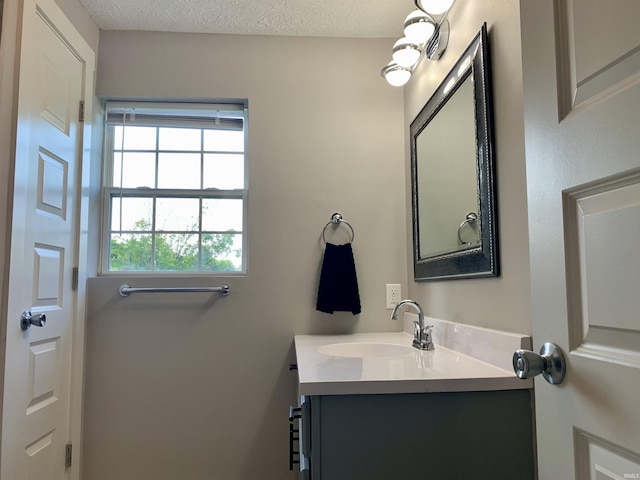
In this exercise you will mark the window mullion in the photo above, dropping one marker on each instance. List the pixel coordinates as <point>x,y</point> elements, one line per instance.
<point>154,206</point>
<point>200,201</point>
<point>157,152</point>
<point>200,237</point>
<point>153,233</point>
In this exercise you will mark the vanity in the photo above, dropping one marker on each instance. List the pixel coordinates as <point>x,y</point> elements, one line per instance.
<point>373,407</point>
<point>370,406</point>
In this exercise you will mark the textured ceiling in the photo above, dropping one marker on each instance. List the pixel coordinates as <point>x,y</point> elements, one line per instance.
<point>323,18</point>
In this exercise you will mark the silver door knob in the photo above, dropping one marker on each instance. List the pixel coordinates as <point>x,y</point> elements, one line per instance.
<point>550,363</point>
<point>27,319</point>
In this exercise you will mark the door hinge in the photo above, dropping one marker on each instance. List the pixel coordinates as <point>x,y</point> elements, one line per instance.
<point>81,111</point>
<point>75,278</point>
<point>67,455</point>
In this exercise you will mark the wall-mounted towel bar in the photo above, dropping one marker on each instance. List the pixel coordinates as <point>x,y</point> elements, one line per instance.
<point>336,219</point>
<point>125,289</point>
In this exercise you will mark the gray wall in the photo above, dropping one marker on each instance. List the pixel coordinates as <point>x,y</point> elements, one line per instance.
<point>194,387</point>
<point>502,303</point>
<point>77,14</point>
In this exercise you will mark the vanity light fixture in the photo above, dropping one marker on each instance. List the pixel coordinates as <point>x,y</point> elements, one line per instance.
<point>425,31</point>
<point>419,26</point>
<point>395,74</point>
<point>435,7</point>
<point>406,52</point>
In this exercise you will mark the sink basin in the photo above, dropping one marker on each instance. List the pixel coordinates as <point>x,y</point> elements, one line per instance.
<point>365,350</point>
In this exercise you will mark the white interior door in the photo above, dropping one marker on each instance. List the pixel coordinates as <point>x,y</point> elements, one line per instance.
<point>44,250</point>
<point>581,62</point>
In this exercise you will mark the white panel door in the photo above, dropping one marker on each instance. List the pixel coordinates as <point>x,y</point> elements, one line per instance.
<point>44,243</point>
<point>581,61</point>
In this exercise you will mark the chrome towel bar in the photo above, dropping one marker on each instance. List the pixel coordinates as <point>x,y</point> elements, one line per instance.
<point>336,219</point>
<point>125,289</point>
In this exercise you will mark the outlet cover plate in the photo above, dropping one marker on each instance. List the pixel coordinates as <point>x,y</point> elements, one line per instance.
<point>393,295</point>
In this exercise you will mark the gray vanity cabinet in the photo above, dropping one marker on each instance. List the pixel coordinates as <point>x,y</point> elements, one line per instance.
<point>436,436</point>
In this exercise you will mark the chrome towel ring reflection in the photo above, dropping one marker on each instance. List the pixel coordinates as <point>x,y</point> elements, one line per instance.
<point>471,219</point>
<point>336,219</point>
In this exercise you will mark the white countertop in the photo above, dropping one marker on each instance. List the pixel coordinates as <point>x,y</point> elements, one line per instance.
<point>408,371</point>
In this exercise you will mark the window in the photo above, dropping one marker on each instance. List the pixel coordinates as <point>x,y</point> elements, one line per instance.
<point>175,188</point>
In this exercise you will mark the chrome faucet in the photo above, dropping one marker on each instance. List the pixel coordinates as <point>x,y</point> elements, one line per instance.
<point>421,333</point>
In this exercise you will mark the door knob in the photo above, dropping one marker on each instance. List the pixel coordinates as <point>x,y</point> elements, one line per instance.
<point>27,319</point>
<point>550,363</point>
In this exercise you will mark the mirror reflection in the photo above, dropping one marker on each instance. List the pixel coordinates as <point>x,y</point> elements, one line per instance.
<point>447,178</point>
<point>452,174</point>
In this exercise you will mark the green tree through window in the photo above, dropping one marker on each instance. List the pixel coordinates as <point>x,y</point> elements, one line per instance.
<point>174,252</point>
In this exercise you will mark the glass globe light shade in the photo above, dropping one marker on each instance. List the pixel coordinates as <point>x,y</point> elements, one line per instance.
<point>418,27</point>
<point>437,7</point>
<point>395,74</point>
<point>406,53</point>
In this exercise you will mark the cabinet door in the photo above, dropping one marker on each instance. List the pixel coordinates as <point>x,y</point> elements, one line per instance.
<point>472,435</point>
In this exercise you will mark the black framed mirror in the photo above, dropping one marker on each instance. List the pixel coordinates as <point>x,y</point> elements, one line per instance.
<point>453,174</point>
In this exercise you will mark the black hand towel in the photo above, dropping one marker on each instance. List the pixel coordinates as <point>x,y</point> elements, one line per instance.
<point>338,289</point>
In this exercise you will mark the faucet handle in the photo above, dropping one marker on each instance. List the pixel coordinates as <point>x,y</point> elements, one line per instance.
<point>425,338</point>
<point>422,331</point>
<point>427,331</point>
<point>422,338</point>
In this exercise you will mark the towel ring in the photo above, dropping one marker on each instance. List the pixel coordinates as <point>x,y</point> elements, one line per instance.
<point>336,219</point>
<point>470,219</point>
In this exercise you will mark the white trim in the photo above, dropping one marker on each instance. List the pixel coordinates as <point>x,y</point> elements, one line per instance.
<point>88,57</point>
<point>231,110</point>
<point>9,68</point>
<point>245,211</point>
<point>16,14</point>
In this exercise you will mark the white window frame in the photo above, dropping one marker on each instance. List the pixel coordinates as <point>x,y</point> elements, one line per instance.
<point>234,110</point>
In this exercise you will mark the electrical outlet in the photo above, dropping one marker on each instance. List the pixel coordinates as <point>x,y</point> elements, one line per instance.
<point>393,295</point>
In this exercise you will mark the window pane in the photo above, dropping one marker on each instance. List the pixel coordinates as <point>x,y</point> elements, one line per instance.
<point>223,171</point>
<point>177,252</point>
<point>170,163</point>
<point>221,252</point>
<point>180,139</point>
<point>179,170</point>
<point>136,213</point>
<point>139,170</point>
<point>130,252</point>
<point>177,214</point>
<point>223,141</point>
<point>135,138</point>
<point>221,215</point>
